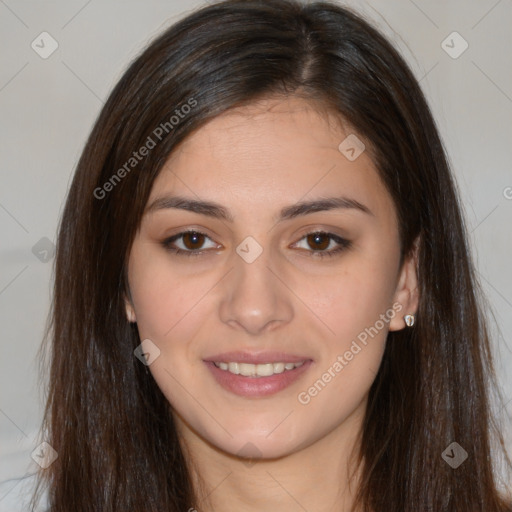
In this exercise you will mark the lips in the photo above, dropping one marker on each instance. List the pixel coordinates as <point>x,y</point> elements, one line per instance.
<point>257,357</point>
<point>257,374</point>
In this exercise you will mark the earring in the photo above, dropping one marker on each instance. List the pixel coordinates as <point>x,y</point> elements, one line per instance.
<point>130,313</point>
<point>409,320</point>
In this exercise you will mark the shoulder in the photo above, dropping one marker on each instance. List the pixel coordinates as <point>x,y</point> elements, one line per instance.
<point>16,493</point>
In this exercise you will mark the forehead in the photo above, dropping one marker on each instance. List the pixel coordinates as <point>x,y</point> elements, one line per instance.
<point>262,132</point>
<point>269,154</point>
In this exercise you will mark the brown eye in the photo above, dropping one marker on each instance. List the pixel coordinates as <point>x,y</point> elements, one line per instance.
<point>319,244</point>
<point>193,240</point>
<point>318,241</point>
<point>189,243</point>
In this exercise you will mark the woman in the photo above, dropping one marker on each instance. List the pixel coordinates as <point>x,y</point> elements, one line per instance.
<point>264,297</point>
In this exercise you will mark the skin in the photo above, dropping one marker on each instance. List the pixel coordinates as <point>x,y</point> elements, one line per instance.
<point>255,161</point>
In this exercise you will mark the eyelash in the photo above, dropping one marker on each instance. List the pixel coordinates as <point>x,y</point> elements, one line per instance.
<point>342,244</point>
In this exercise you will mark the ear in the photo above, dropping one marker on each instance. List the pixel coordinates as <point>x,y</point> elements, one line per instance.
<point>130,311</point>
<point>407,294</point>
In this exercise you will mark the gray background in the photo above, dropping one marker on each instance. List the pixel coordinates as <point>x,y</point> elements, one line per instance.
<point>47,107</point>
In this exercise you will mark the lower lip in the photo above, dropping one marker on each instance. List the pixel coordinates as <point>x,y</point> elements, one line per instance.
<point>256,386</point>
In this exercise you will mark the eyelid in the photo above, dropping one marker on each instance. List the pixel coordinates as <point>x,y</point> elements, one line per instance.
<point>342,243</point>
<point>171,239</point>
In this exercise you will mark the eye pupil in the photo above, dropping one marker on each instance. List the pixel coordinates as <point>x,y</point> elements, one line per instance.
<point>193,240</point>
<point>318,241</point>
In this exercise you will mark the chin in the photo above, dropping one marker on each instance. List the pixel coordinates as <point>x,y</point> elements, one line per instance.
<point>254,447</point>
<point>249,441</point>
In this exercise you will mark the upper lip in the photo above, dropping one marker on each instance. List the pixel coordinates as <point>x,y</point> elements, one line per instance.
<point>256,357</point>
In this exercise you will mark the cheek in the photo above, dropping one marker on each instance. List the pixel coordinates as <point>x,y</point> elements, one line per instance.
<point>162,298</point>
<point>339,390</point>
<point>353,300</point>
<point>357,307</point>
<point>171,309</point>
<point>170,313</point>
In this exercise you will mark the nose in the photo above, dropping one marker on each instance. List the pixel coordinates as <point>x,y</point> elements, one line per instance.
<point>255,298</point>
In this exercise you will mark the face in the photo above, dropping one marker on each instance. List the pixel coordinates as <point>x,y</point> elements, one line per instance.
<point>266,275</point>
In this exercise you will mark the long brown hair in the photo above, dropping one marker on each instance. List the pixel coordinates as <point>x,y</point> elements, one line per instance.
<point>106,417</point>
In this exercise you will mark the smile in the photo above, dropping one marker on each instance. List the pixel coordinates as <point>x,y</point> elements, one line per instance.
<point>257,375</point>
<point>257,370</point>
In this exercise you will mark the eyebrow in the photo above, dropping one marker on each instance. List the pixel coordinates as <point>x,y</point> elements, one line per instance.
<point>217,211</point>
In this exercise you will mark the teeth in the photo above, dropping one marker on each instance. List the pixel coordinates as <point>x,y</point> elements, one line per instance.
<point>233,368</point>
<point>257,370</point>
<point>278,367</point>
